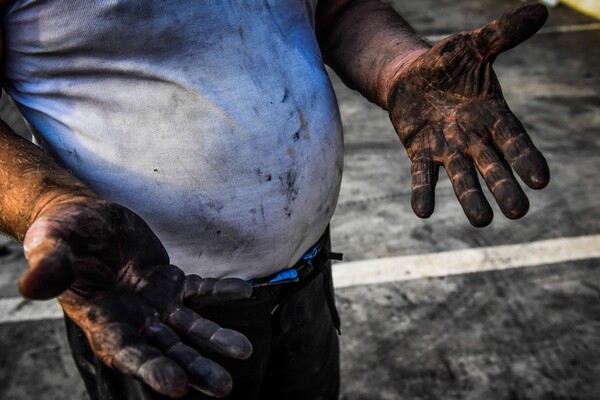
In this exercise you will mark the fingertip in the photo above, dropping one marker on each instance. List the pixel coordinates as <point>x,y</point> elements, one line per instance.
<point>539,11</point>
<point>165,377</point>
<point>528,18</point>
<point>539,179</point>
<point>226,389</point>
<point>234,288</point>
<point>421,210</point>
<point>481,221</point>
<point>478,211</point>
<point>536,16</point>
<point>533,170</point>
<point>516,208</point>
<point>538,183</point>
<point>423,202</point>
<point>515,26</point>
<point>210,378</point>
<point>200,292</point>
<point>511,199</point>
<point>232,343</point>
<point>245,351</point>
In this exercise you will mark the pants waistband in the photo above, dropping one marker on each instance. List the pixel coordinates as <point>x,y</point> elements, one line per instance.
<point>318,254</point>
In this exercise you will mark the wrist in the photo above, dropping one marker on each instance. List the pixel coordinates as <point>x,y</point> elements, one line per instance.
<point>76,194</point>
<point>392,72</point>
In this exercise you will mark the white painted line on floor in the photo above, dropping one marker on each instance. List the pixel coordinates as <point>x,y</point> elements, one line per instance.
<point>393,269</point>
<point>422,266</point>
<point>594,26</point>
<point>571,28</point>
<point>17,309</point>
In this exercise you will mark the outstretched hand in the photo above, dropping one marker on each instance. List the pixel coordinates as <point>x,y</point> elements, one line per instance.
<point>447,107</point>
<point>113,279</point>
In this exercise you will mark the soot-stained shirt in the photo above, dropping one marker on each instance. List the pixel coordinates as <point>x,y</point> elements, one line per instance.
<point>214,120</point>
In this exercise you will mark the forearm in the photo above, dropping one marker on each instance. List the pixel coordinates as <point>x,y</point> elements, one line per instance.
<point>365,41</point>
<point>29,179</point>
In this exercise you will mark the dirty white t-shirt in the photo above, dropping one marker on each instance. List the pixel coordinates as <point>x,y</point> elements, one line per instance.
<point>214,120</point>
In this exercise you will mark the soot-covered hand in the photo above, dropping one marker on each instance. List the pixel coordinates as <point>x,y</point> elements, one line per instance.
<point>448,109</point>
<point>113,279</point>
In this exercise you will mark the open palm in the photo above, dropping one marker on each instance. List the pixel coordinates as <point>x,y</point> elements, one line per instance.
<point>113,279</point>
<point>448,109</point>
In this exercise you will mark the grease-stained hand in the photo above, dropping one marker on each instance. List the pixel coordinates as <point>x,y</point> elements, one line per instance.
<point>113,279</point>
<point>448,109</point>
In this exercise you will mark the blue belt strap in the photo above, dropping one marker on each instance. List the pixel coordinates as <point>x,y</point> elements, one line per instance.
<point>291,274</point>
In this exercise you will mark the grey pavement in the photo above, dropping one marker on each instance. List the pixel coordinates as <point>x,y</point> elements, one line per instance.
<point>520,334</point>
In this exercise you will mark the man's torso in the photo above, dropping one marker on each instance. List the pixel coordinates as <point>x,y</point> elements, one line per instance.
<point>213,120</point>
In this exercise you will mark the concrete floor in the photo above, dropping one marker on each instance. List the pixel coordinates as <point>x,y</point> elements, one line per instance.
<point>531,333</point>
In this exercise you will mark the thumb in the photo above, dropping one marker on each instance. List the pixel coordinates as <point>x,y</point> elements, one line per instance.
<point>511,29</point>
<point>50,264</point>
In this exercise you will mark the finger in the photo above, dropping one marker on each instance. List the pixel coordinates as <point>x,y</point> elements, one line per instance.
<point>50,263</point>
<point>209,336</point>
<point>464,180</point>
<point>204,375</point>
<point>528,162</point>
<point>511,29</point>
<point>199,292</point>
<point>124,349</point>
<point>499,179</point>
<point>424,178</point>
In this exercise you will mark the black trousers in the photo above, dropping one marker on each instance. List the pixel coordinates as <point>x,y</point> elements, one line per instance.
<point>294,335</point>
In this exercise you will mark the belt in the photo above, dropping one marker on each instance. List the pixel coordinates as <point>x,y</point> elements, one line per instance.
<point>304,267</point>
